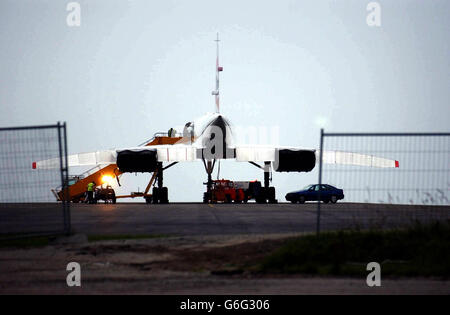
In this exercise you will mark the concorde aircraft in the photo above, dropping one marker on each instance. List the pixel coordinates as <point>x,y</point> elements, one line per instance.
<point>210,139</point>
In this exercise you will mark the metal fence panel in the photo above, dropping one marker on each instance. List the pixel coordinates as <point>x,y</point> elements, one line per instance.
<point>418,190</point>
<point>27,204</point>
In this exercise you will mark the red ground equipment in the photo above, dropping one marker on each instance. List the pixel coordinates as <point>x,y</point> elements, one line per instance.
<point>225,191</point>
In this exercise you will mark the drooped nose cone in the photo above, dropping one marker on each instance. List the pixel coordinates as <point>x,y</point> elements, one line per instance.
<point>218,138</point>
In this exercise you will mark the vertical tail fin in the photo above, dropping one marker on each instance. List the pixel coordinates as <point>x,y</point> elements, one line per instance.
<point>218,69</point>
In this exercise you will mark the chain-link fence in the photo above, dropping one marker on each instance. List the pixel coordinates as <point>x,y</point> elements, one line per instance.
<point>411,185</point>
<point>28,205</point>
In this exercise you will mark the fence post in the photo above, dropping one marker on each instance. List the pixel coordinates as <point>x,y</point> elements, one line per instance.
<point>66,202</point>
<point>320,182</point>
<point>64,176</point>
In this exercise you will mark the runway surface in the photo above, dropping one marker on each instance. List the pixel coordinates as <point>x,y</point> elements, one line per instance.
<point>217,219</point>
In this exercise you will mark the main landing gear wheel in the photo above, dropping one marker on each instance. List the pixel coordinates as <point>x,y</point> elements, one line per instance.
<point>271,195</point>
<point>159,195</point>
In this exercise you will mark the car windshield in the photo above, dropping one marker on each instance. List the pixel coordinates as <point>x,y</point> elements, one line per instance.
<point>307,187</point>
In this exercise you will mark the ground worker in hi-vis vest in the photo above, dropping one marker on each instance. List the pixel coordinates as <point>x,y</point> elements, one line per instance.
<point>90,192</point>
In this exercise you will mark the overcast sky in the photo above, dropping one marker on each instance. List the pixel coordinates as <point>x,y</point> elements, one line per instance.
<point>133,68</point>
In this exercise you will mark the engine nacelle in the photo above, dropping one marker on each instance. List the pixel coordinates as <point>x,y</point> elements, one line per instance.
<point>294,160</point>
<point>137,161</point>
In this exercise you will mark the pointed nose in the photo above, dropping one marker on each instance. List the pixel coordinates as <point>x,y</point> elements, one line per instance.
<point>219,134</point>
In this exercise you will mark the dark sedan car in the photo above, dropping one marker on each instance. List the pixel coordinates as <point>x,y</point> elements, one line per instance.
<point>311,193</point>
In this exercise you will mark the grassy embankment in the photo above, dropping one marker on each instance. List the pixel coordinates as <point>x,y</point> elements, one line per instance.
<point>417,251</point>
